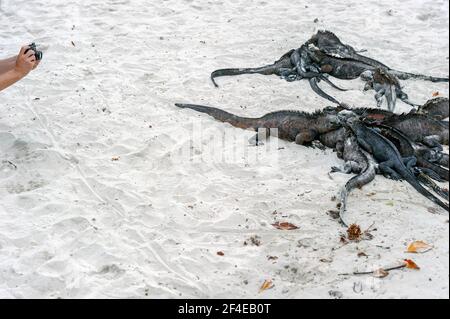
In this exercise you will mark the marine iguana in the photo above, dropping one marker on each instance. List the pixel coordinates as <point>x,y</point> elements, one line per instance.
<point>385,84</point>
<point>386,154</point>
<point>324,54</point>
<point>419,128</point>
<point>284,68</point>
<point>427,159</point>
<point>410,149</point>
<point>330,44</point>
<point>294,126</point>
<point>356,161</point>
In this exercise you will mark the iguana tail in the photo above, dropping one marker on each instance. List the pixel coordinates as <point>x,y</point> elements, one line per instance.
<point>440,171</point>
<point>358,181</point>
<point>277,68</point>
<point>426,180</point>
<point>265,70</point>
<point>406,76</point>
<point>223,116</point>
<point>411,179</point>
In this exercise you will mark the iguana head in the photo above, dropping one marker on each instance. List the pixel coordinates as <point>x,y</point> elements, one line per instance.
<point>348,118</point>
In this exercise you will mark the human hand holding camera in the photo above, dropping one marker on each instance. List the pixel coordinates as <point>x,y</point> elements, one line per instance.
<point>28,59</point>
<point>15,68</point>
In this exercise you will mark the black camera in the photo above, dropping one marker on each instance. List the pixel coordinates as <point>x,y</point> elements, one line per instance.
<point>37,54</point>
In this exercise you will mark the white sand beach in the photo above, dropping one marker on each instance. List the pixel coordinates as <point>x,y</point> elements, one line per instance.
<point>107,190</point>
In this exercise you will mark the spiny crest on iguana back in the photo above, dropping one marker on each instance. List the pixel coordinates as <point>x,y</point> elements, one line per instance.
<point>307,115</point>
<point>414,116</point>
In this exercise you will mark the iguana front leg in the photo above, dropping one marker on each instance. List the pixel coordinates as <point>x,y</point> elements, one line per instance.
<point>379,96</point>
<point>387,170</point>
<point>290,75</point>
<point>350,167</point>
<point>305,137</point>
<point>410,162</point>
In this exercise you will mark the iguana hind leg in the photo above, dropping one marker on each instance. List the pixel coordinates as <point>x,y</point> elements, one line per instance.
<point>305,137</point>
<point>424,178</point>
<point>405,99</point>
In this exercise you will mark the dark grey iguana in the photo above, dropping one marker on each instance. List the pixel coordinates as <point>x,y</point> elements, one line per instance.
<point>359,162</point>
<point>390,161</point>
<point>408,148</point>
<point>418,127</point>
<point>324,54</point>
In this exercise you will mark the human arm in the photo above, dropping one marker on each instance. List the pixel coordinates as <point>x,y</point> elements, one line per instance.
<point>7,64</point>
<point>17,69</point>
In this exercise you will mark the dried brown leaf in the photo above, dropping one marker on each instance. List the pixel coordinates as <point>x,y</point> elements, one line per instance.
<point>411,264</point>
<point>418,247</point>
<point>284,226</point>
<point>354,232</point>
<point>268,284</point>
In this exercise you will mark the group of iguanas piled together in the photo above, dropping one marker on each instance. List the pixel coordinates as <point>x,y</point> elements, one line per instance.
<point>370,140</point>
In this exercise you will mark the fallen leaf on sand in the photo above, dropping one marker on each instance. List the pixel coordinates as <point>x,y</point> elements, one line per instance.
<point>220,253</point>
<point>115,158</point>
<point>380,273</point>
<point>325,260</point>
<point>435,93</point>
<point>418,247</point>
<point>411,264</point>
<point>354,232</point>
<point>284,226</point>
<point>268,284</point>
